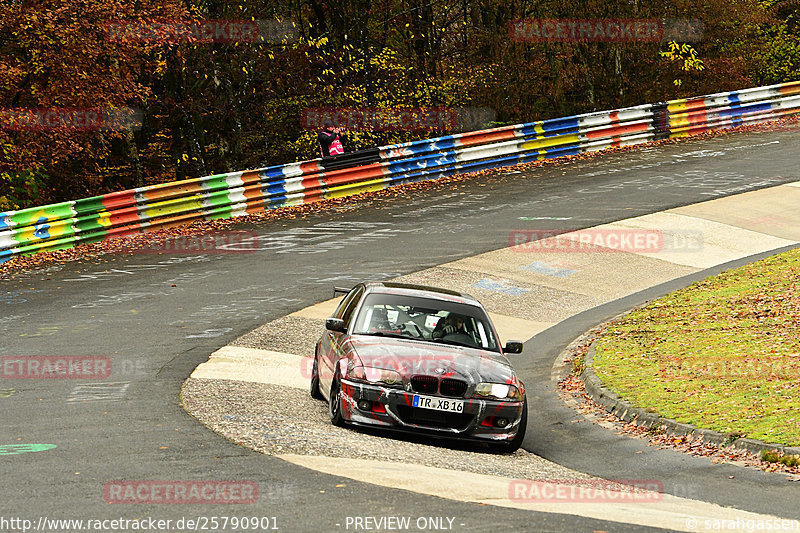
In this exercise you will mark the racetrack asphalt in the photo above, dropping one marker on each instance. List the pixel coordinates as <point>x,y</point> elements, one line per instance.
<point>513,292</point>
<point>157,317</point>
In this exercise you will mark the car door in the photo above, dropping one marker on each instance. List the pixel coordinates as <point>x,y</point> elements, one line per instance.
<point>331,344</point>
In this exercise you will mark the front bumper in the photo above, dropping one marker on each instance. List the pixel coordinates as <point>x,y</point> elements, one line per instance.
<point>392,408</point>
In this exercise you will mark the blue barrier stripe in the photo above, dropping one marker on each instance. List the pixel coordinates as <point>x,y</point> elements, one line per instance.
<point>276,201</point>
<point>420,163</point>
<point>444,158</point>
<point>275,188</point>
<point>506,160</point>
<point>414,161</point>
<point>422,145</point>
<point>445,144</point>
<point>271,172</point>
<point>560,124</point>
<point>748,108</point>
<point>566,127</point>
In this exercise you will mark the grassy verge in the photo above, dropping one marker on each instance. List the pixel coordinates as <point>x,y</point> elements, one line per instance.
<point>722,354</point>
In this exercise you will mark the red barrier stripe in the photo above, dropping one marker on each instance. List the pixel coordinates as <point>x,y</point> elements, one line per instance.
<point>124,231</point>
<point>169,190</point>
<point>695,130</point>
<point>313,196</point>
<point>793,88</point>
<point>175,221</point>
<point>695,103</point>
<point>697,117</point>
<point>312,184</point>
<point>254,198</point>
<point>117,200</point>
<point>126,216</point>
<point>255,205</point>
<point>251,176</point>
<point>310,167</point>
<point>617,130</point>
<point>350,175</point>
<point>490,137</point>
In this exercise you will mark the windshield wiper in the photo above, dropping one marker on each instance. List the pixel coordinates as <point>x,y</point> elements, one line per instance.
<point>387,334</point>
<point>454,343</point>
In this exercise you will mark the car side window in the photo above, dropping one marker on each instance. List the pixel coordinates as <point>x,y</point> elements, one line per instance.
<point>350,307</point>
<point>340,309</point>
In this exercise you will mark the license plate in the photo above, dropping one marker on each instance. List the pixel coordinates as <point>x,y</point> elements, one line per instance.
<point>438,404</point>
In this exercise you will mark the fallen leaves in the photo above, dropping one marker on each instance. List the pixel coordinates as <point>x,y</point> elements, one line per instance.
<point>572,387</point>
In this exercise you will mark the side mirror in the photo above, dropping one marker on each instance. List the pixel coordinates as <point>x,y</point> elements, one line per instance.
<point>335,324</point>
<point>513,347</point>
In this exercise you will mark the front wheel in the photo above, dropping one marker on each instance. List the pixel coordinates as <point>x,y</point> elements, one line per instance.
<point>515,443</point>
<point>335,403</point>
<point>315,392</point>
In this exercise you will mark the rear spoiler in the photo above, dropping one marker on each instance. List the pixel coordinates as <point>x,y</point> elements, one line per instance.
<point>340,290</point>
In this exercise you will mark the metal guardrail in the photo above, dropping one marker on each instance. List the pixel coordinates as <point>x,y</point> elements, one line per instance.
<point>67,224</point>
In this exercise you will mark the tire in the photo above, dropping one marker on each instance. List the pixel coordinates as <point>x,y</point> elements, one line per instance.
<point>315,392</point>
<point>514,444</point>
<point>335,403</point>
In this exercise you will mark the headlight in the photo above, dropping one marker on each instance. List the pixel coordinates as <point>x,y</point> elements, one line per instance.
<point>380,376</point>
<point>499,391</point>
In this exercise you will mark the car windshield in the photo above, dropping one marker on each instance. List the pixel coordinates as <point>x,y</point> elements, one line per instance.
<point>425,319</point>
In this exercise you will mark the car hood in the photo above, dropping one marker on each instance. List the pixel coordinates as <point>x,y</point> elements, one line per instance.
<point>410,357</point>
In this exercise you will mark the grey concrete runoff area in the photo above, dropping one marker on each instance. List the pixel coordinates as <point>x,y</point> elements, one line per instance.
<point>70,446</point>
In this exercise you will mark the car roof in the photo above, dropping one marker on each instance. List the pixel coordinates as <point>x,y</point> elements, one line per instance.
<point>421,291</point>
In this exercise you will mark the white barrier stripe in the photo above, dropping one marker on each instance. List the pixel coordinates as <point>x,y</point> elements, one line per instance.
<point>180,200</point>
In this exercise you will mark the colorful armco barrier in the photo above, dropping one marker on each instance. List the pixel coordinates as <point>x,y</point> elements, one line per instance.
<point>66,224</point>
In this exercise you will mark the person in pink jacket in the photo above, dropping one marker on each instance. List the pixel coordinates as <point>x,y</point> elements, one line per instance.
<point>329,141</point>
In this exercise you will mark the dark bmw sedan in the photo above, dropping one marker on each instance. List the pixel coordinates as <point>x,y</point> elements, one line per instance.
<point>419,359</point>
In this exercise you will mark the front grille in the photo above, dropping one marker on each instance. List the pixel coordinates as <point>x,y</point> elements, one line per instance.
<point>431,418</point>
<point>424,384</point>
<point>453,387</point>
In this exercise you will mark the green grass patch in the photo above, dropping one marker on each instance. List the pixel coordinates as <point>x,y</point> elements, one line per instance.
<point>777,457</point>
<point>722,354</point>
